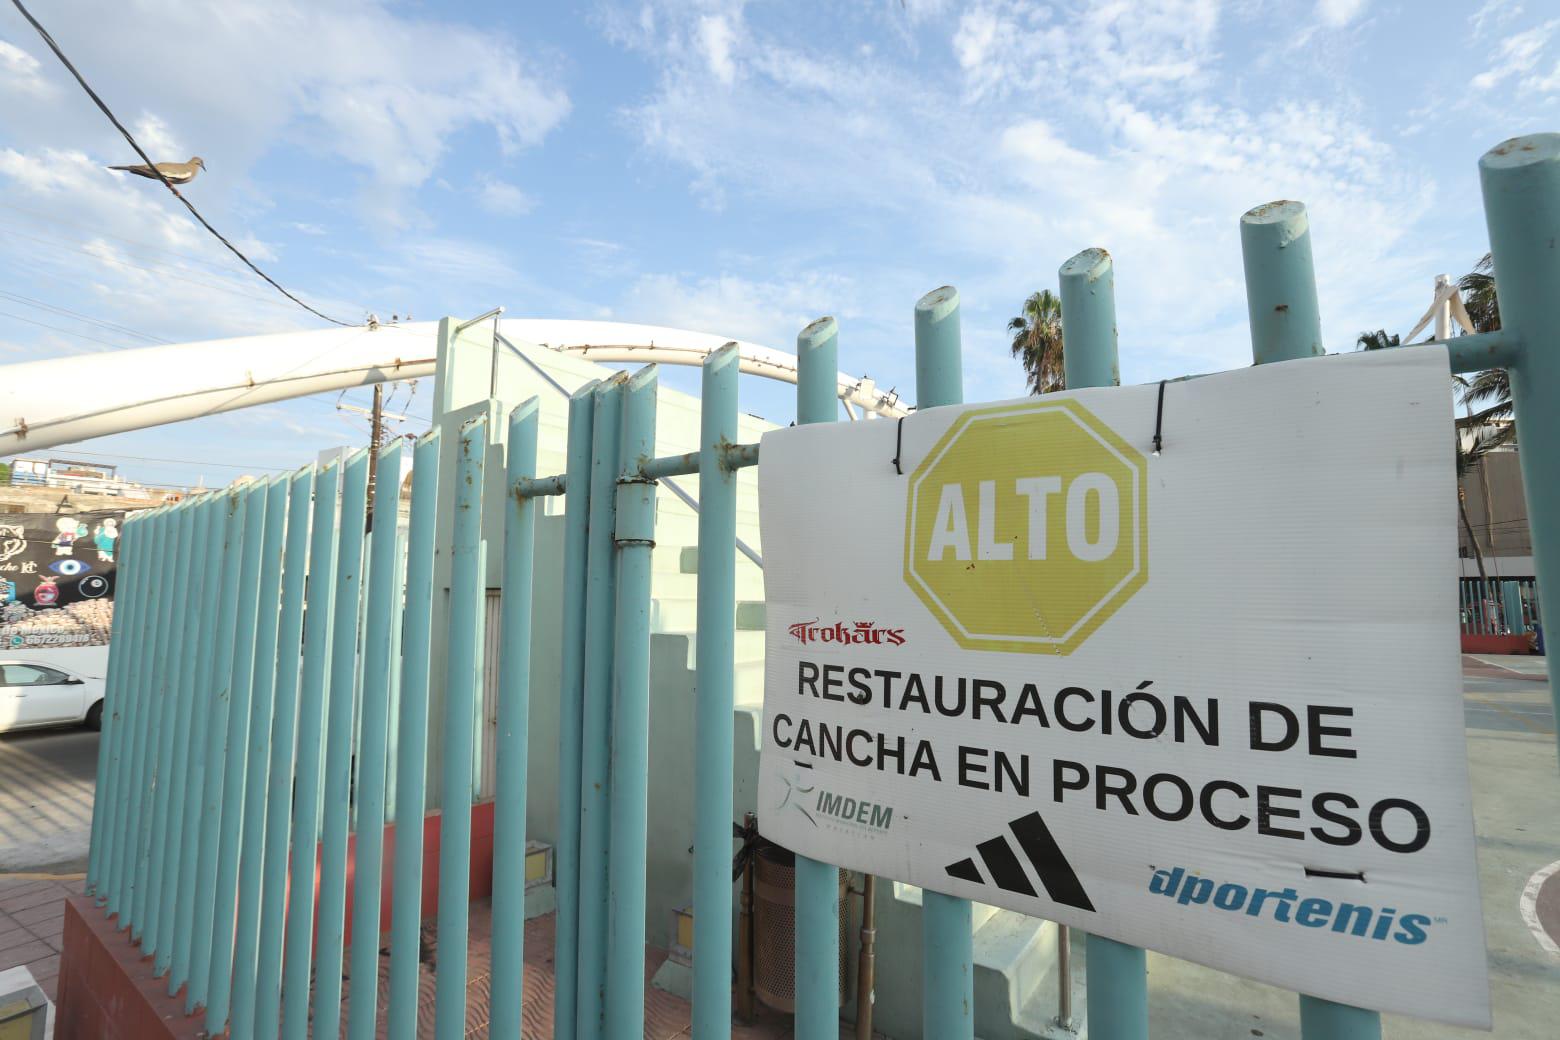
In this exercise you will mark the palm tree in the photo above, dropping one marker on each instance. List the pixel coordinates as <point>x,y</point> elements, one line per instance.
<point>1490,388</point>
<point>1378,340</point>
<point>1037,342</point>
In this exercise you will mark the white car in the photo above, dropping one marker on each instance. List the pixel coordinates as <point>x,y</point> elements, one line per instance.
<point>36,694</point>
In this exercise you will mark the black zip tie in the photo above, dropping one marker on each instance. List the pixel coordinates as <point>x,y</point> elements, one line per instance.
<point>899,445</point>
<point>1159,419</point>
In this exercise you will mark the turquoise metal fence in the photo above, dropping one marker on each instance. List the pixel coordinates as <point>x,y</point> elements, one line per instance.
<point>252,702</point>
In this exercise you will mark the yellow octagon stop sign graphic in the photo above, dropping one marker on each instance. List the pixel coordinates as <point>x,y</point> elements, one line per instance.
<point>1027,527</point>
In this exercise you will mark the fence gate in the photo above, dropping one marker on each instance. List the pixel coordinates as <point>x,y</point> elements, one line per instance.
<point>262,630</point>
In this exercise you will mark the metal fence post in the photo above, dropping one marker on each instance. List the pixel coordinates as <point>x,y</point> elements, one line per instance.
<point>173,943</point>
<point>634,538</point>
<point>136,776</point>
<point>462,681</point>
<point>947,937</point>
<point>217,680</point>
<point>817,884</point>
<point>329,933</point>
<point>1275,242</point>
<point>320,601</point>
<point>284,731</point>
<point>384,587</point>
<point>257,535</point>
<point>198,748</point>
<point>714,693</point>
<point>159,744</point>
<point>138,583</point>
<point>1117,994</point>
<point>571,717</point>
<point>246,932</point>
<point>123,703</point>
<point>596,727</point>
<point>104,802</point>
<point>1520,180</point>
<point>514,710</point>
<point>412,746</point>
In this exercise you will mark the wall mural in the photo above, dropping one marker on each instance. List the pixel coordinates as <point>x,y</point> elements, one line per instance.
<point>57,578</point>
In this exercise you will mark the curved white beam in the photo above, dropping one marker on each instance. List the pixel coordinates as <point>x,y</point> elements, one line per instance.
<point>626,343</point>
<point>68,399</point>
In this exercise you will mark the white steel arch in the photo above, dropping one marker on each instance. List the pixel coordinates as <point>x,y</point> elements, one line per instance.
<point>68,399</point>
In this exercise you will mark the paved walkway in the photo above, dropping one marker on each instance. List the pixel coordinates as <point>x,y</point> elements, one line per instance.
<point>32,912</point>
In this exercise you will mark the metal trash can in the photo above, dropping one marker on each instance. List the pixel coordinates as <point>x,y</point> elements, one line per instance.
<point>774,928</point>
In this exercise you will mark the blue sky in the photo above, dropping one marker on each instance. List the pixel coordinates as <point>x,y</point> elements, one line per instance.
<point>739,169</point>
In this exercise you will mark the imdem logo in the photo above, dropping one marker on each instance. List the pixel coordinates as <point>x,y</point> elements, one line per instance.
<point>802,794</point>
<point>1027,527</point>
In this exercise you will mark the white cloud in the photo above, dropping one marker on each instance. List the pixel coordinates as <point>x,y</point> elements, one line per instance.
<point>1152,157</point>
<point>1338,13</point>
<point>357,81</point>
<point>305,228</point>
<point>717,38</point>
<point>20,72</point>
<point>1518,53</point>
<point>502,198</point>
<point>767,311</point>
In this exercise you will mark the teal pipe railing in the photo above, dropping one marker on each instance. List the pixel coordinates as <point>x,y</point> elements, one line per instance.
<point>109,736</point>
<point>257,760</point>
<point>571,714</point>
<point>634,538</point>
<point>165,683</point>
<point>199,750</point>
<point>218,681</point>
<point>1117,995</point>
<point>302,507</point>
<point>384,587</point>
<point>461,686</point>
<point>308,780</point>
<point>176,943</point>
<point>817,884</point>
<point>329,933</point>
<point>714,698</point>
<point>596,727</point>
<point>514,711</point>
<point>1520,181</point>
<point>947,923</point>
<point>412,747</point>
<point>1275,242</point>
<point>262,528</point>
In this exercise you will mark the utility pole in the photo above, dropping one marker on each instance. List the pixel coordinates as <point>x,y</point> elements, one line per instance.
<point>376,438</point>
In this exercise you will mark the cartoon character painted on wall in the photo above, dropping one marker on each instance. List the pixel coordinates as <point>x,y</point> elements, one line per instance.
<point>105,537</point>
<point>69,529</point>
<point>47,594</point>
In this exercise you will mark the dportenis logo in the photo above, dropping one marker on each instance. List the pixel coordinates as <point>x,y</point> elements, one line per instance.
<point>1287,906</point>
<point>859,634</point>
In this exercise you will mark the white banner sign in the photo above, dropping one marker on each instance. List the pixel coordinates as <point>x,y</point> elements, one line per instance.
<point>1206,701</point>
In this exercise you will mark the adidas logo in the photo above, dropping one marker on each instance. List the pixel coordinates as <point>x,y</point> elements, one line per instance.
<point>1044,855</point>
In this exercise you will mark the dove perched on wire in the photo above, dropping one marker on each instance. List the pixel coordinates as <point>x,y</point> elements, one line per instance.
<point>176,172</point>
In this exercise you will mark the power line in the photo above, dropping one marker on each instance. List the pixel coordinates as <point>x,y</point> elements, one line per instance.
<point>72,453</point>
<point>146,266</point>
<point>56,328</point>
<point>109,326</point>
<point>153,167</point>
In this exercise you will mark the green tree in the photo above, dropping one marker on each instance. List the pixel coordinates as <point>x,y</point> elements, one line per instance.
<point>1378,340</point>
<point>1489,390</point>
<point>5,472</point>
<point>1037,342</point>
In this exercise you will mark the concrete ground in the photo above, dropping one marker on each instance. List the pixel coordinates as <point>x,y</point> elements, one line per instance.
<point>47,779</point>
<point>1516,806</point>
